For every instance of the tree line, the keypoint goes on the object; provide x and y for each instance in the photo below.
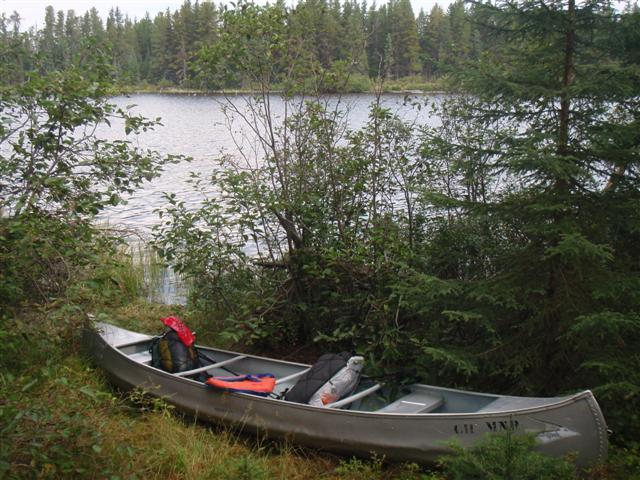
(366, 41)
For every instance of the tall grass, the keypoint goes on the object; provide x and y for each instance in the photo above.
(147, 275)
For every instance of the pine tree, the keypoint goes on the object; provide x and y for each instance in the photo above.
(403, 33)
(16, 50)
(144, 30)
(97, 27)
(72, 35)
(459, 45)
(353, 38)
(552, 117)
(377, 34)
(129, 53)
(433, 40)
(46, 44)
(162, 47)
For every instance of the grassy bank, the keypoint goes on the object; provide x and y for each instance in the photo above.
(61, 419)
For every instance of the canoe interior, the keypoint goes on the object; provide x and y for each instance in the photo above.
(412, 399)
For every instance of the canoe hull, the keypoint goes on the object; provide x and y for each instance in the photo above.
(574, 424)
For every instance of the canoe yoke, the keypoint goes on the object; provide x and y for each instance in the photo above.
(415, 402)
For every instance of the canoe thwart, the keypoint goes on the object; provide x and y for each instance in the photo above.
(354, 397)
(209, 367)
(292, 376)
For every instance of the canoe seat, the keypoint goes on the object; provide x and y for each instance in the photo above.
(415, 402)
(141, 357)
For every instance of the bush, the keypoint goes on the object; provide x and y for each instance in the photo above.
(506, 457)
(40, 254)
(54, 184)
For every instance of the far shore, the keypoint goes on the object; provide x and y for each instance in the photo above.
(127, 90)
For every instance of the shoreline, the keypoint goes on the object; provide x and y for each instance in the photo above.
(236, 92)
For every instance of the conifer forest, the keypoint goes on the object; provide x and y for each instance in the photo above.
(388, 40)
(493, 248)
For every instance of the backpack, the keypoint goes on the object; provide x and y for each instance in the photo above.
(168, 353)
(174, 350)
(321, 380)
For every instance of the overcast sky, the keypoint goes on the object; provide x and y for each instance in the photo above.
(32, 11)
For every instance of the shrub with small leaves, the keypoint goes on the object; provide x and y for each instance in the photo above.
(506, 457)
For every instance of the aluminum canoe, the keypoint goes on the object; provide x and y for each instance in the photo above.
(416, 425)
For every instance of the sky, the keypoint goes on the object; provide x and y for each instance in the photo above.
(32, 11)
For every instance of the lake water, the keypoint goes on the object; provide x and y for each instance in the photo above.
(196, 126)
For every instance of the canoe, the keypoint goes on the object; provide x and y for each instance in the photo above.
(416, 424)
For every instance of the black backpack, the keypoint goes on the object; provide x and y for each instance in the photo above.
(320, 373)
(168, 353)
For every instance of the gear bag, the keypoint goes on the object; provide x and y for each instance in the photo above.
(321, 379)
(174, 350)
(341, 385)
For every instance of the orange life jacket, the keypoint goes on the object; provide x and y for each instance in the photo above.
(261, 384)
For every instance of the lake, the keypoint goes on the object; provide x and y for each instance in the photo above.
(197, 126)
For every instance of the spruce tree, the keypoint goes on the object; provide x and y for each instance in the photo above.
(403, 31)
(433, 39)
(551, 114)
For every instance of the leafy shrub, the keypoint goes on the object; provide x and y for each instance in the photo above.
(56, 174)
(506, 457)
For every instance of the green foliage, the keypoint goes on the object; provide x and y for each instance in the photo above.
(538, 162)
(321, 219)
(489, 251)
(252, 47)
(375, 468)
(56, 174)
(623, 463)
(506, 457)
(40, 256)
(318, 40)
(49, 438)
(54, 162)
